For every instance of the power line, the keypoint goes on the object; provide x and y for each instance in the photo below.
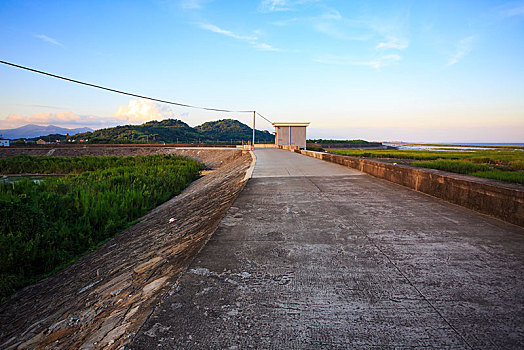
(261, 116)
(123, 92)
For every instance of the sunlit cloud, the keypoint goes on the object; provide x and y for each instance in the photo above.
(141, 111)
(463, 48)
(48, 39)
(377, 62)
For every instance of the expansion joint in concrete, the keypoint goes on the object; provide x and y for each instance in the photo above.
(374, 244)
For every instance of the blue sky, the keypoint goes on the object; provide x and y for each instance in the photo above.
(434, 71)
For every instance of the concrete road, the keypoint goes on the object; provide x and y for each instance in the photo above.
(315, 255)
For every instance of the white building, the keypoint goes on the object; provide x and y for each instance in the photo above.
(290, 134)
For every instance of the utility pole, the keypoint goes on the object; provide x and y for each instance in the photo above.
(253, 145)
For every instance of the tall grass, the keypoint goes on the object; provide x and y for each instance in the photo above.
(454, 166)
(473, 169)
(500, 164)
(46, 225)
(510, 158)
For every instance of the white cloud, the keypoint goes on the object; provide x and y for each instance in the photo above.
(213, 28)
(265, 47)
(48, 39)
(273, 5)
(282, 5)
(463, 47)
(251, 39)
(377, 62)
(141, 111)
(393, 43)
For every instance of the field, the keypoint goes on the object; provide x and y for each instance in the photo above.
(500, 164)
(47, 225)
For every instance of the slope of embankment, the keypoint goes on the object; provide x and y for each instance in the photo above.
(103, 298)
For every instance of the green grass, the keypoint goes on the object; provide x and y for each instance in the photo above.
(45, 226)
(396, 154)
(499, 164)
(507, 176)
(335, 141)
(454, 166)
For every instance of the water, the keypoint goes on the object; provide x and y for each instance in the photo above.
(461, 147)
(15, 178)
(490, 144)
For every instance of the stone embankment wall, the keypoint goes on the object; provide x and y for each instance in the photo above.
(501, 200)
(102, 299)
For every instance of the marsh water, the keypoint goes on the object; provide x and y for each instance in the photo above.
(36, 178)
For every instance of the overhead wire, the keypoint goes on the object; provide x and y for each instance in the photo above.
(261, 116)
(122, 92)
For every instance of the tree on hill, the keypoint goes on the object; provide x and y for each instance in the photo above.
(173, 131)
(229, 129)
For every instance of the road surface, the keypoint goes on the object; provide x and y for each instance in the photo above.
(316, 255)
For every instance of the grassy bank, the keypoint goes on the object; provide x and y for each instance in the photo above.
(45, 226)
(501, 164)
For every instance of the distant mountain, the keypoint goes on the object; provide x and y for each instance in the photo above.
(31, 130)
(176, 131)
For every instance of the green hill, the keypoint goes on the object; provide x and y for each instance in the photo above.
(176, 131)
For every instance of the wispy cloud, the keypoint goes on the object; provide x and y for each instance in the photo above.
(48, 39)
(63, 119)
(274, 5)
(331, 23)
(393, 43)
(282, 5)
(213, 28)
(463, 48)
(253, 40)
(376, 62)
(193, 4)
(40, 106)
(512, 9)
(265, 47)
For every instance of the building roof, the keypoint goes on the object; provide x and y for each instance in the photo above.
(291, 124)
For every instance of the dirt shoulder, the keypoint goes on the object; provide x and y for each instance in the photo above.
(213, 157)
(103, 298)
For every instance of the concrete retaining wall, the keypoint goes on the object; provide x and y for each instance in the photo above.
(504, 201)
(265, 145)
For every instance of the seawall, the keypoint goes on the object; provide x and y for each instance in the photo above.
(491, 197)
